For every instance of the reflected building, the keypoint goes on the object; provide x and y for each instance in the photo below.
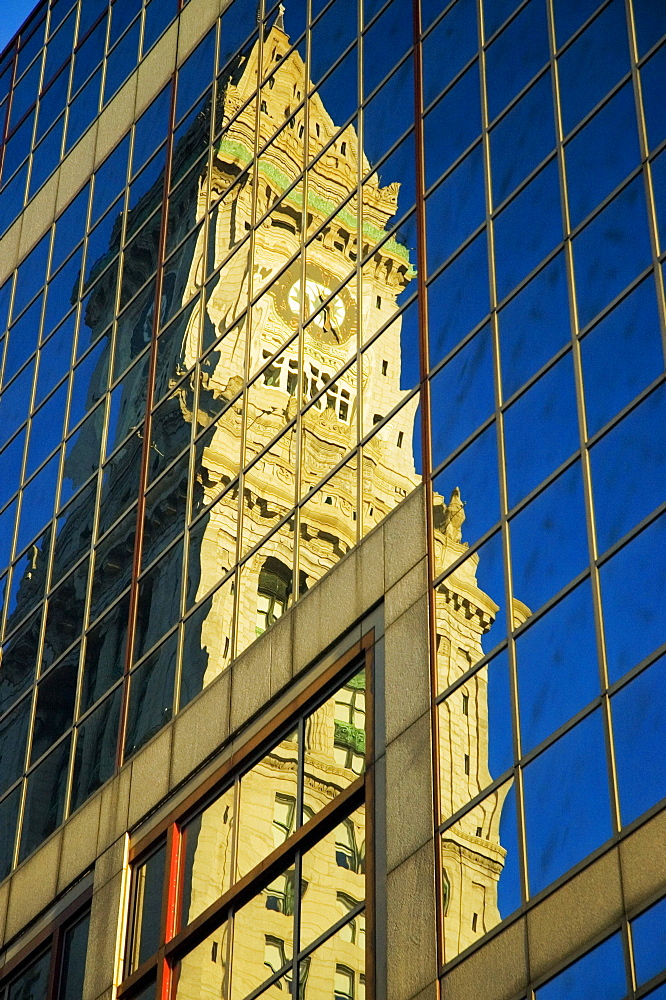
(472, 854)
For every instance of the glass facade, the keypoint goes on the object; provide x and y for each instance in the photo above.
(350, 248)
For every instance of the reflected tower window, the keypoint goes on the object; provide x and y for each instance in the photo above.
(273, 592)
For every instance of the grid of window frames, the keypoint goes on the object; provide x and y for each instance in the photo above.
(544, 216)
(52, 966)
(259, 883)
(541, 281)
(59, 73)
(185, 433)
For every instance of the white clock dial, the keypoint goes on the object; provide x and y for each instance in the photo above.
(316, 293)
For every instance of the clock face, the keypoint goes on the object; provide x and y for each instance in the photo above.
(332, 324)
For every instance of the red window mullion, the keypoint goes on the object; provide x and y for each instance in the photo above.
(170, 908)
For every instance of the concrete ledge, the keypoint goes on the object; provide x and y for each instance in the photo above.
(33, 885)
(406, 591)
(150, 775)
(409, 815)
(496, 972)
(114, 808)
(79, 842)
(407, 667)
(410, 931)
(408, 537)
(200, 728)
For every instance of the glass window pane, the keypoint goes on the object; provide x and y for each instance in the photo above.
(268, 804)
(31, 275)
(640, 707)
(74, 949)
(388, 115)
(462, 395)
(541, 429)
(455, 209)
(386, 35)
(9, 808)
(263, 940)
(338, 965)
(516, 55)
(331, 35)
(495, 13)
(558, 672)
(527, 229)
(648, 936)
(612, 250)
(652, 73)
(83, 109)
(151, 128)
(151, 695)
(45, 799)
(458, 299)
(37, 503)
(452, 125)
(628, 470)
(597, 60)
(474, 474)
(569, 17)
(633, 585)
(13, 735)
(598, 974)
(334, 746)
(55, 705)
(566, 802)
(159, 600)
(621, 356)
(483, 569)
(549, 540)
(529, 127)
(19, 662)
(482, 888)
(207, 856)
(448, 48)
(147, 907)
(32, 983)
(96, 749)
(204, 971)
(109, 179)
(333, 880)
(596, 162)
(475, 731)
(534, 325)
(46, 156)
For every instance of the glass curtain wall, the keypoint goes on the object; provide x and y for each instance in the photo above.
(544, 240)
(326, 265)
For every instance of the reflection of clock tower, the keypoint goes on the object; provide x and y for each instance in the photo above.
(282, 368)
(472, 855)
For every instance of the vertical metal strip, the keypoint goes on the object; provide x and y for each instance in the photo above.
(147, 430)
(370, 805)
(426, 438)
(169, 909)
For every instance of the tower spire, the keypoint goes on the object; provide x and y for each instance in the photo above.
(279, 20)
